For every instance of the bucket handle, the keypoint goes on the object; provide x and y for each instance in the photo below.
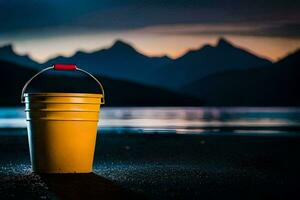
(66, 67)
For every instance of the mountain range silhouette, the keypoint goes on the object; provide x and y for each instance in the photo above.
(218, 75)
(270, 85)
(206, 60)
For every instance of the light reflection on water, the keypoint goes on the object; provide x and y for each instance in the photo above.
(181, 120)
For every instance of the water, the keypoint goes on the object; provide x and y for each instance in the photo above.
(181, 120)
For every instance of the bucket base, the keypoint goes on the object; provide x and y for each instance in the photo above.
(63, 146)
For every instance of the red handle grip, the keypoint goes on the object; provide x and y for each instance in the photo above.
(68, 67)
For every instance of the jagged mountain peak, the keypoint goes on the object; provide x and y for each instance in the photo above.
(119, 44)
(222, 42)
(7, 53)
(7, 48)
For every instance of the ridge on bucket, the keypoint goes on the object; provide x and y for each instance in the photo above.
(62, 127)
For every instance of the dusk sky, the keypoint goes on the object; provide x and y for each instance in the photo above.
(45, 28)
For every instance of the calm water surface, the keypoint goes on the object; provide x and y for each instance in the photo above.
(180, 120)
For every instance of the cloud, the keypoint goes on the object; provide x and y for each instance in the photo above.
(290, 30)
(259, 29)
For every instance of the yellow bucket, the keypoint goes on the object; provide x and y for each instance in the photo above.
(62, 128)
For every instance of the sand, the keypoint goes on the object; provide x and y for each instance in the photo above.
(162, 166)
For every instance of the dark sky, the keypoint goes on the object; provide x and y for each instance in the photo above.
(279, 16)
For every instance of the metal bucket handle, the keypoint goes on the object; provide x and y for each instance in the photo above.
(67, 67)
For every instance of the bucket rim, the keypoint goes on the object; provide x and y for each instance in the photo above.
(64, 94)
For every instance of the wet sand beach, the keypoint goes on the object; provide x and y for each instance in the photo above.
(162, 166)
